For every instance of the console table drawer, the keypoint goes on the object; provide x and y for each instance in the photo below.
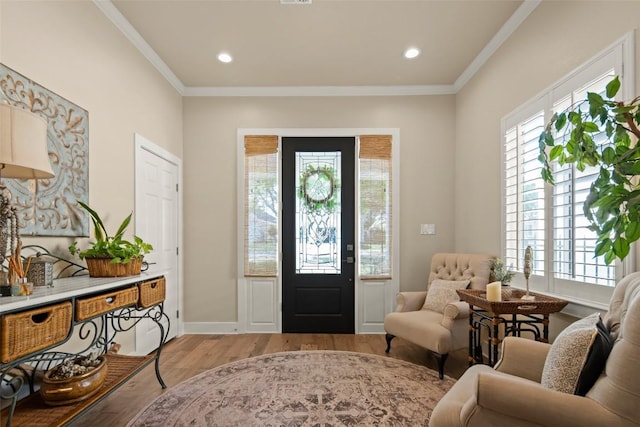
(152, 292)
(29, 331)
(87, 308)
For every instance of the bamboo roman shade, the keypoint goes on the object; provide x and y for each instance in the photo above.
(375, 147)
(255, 145)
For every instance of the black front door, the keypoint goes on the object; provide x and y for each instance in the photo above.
(318, 234)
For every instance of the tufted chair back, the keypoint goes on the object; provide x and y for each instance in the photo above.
(618, 389)
(457, 266)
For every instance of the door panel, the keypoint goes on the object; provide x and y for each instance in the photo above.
(157, 223)
(318, 234)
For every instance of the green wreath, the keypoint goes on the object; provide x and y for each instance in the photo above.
(318, 188)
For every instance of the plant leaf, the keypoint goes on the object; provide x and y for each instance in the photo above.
(632, 232)
(609, 257)
(561, 121)
(612, 87)
(123, 227)
(548, 139)
(547, 176)
(555, 152)
(621, 247)
(591, 127)
(99, 230)
(602, 247)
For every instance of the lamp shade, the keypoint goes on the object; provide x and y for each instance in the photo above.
(23, 144)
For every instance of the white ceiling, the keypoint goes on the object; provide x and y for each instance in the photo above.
(355, 44)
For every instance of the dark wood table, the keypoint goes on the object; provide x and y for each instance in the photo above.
(518, 317)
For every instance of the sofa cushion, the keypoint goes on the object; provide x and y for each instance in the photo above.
(577, 356)
(421, 327)
(443, 292)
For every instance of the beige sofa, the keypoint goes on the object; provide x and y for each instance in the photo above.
(440, 332)
(511, 395)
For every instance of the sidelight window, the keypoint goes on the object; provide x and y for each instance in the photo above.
(375, 186)
(261, 205)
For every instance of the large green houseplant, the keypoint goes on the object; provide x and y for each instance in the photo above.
(575, 136)
(111, 249)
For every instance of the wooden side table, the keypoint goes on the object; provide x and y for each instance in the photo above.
(517, 315)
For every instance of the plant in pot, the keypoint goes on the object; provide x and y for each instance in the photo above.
(111, 256)
(502, 274)
(603, 133)
(73, 380)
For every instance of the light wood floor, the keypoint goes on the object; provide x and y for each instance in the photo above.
(184, 357)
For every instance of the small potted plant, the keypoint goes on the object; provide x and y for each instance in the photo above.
(503, 275)
(73, 380)
(111, 256)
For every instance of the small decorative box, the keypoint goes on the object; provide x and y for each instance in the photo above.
(40, 272)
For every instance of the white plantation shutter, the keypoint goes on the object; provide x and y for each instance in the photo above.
(524, 194)
(574, 243)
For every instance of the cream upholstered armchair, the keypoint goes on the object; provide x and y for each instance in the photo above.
(516, 392)
(436, 319)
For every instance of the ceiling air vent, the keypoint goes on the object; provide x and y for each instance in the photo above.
(295, 1)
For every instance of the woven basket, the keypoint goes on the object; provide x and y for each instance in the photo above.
(152, 292)
(32, 330)
(87, 308)
(103, 267)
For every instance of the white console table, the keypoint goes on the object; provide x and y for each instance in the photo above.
(32, 329)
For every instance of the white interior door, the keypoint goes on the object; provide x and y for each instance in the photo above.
(156, 219)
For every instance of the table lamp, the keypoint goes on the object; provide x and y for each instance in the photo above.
(23, 155)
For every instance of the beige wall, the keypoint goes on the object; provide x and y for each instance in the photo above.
(73, 50)
(426, 180)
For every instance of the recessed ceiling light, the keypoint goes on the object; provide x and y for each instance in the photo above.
(411, 52)
(224, 57)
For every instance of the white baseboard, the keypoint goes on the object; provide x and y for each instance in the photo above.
(234, 328)
(262, 329)
(377, 328)
(210, 327)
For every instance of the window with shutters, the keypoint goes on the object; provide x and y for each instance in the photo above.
(550, 219)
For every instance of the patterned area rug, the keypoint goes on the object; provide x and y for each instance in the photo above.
(302, 388)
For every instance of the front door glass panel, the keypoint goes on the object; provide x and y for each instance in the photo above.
(318, 212)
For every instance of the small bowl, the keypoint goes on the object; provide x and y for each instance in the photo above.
(75, 389)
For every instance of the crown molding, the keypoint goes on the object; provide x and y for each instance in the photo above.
(114, 15)
(319, 90)
(111, 12)
(496, 41)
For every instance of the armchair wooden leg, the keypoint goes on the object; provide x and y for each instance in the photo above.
(389, 337)
(441, 358)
